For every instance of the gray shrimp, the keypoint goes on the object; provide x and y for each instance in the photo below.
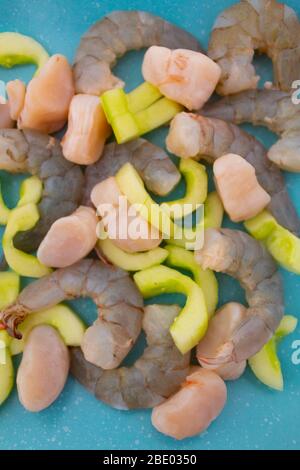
(273, 109)
(153, 164)
(113, 36)
(155, 376)
(117, 298)
(264, 25)
(235, 253)
(196, 136)
(41, 155)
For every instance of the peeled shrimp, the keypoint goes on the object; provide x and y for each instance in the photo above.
(222, 325)
(117, 298)
(16, 90)
(239, 255)
(6, 121)
(69, 239)
(44, 368)
(209, 139)
(187, 77)
(191, 410)
(113, 36)
(273, 109)
(41, 155)
(263, 25)
(87, 130)
(48, 97)
(241, 194)
(154, 376)
(159, 173)
(128, 230)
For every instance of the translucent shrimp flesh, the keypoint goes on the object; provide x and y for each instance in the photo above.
(113, 36)
(159, 173)
(41, 155)
(244, 258)
(155, 376)
(204, 138)
(273, 109)
(264, 25)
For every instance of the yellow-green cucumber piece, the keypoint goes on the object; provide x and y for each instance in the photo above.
(131, 261)
(6, 373)
(206, 279)
(4, 210)
(142, 97)
(132, 186)
(191, 324)
(196, 189)
(283, 245)
(61, 317)
(213, 211)
(159, 113)
(266, 364)
(9, 288)
(18, 49)
(20, 219)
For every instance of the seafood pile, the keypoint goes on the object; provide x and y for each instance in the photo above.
(88, 222)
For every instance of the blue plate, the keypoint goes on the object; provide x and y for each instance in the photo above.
(255, 417)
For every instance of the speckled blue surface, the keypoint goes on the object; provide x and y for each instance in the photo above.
(255, 417)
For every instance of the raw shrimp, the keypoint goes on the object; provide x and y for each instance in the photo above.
(69, 239)
(273, 109)
(204, 138)
(117, 298)
(159, 173)
(191, 410)
(223, 324)
(87, 130)
(113, 36)
(6, 121)
(263, 25)
(44, 368)
(239, 255)
(48, 97)
(41, 155)
(155, 375)
(16, 90)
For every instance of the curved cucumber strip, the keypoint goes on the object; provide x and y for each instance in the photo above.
(131, 261)
(213, 211)
(132, 186)
(30, 191)
(61, 317)
(283, 245)
(191, 324)
(6, 373)
(18, 49)
(20, 219)
(9, 288)
(266, 364)
(181, 258)
(196, 189)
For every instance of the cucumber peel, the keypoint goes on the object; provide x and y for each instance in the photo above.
(131, 261)
(283, 245)
(181, 258)
(265, 364)
(191, 324)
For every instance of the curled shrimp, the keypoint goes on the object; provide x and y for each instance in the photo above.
(153, 164)
(155, 376)
(41, 155)
(273, 109)
(117, 298)
(113, 36)
(263, 25)
(239, 255)
(190, 411)
(196, 136)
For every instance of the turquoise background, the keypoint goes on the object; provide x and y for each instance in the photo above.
(255, 417)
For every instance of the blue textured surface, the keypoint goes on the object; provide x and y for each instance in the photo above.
(255, 417)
